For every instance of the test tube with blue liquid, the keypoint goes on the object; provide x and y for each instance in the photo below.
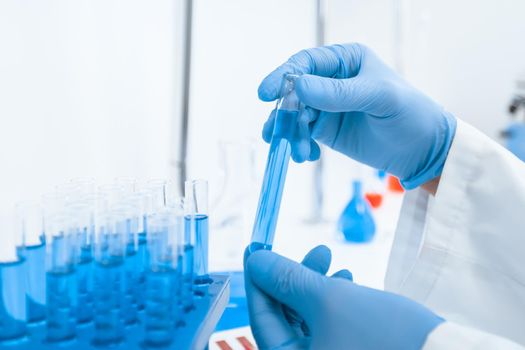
(131, 263)
(143, 203)
(165, 229)
(196, 225)
(81, 214)
(286, 115)
(13, 313)
(61, 281)
(188, 260)
(31, 224)
(176, 206)
(110, 248)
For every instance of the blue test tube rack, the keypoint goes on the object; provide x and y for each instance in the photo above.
(199, 324)
(96, 302)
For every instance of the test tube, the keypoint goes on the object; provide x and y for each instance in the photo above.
(110, 195)
(52, 205)
(12, 284)
(69, 190)
(82, 215)
(30, 219)
(131, 263)
(187, 261)
(61, 282)
(286, 114)
(128, 184)
(110, 247)
(142, 202)
(157, 188)
(85, 186)
(196, 224)
(163, 276)
(176, 206)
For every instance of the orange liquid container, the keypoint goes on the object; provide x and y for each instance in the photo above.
(394, 185)
(375, 199)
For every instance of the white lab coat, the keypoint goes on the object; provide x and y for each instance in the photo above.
(462, 252)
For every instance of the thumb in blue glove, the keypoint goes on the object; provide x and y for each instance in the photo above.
(338, 313)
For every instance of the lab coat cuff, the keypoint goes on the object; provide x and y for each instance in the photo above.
(453, 336)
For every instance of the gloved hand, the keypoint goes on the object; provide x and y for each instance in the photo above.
(328, 312)
(360, 107)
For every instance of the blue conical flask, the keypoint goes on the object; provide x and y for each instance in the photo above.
(356, 221)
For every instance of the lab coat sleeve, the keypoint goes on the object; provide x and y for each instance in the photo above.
(462, 252)
(451, 336)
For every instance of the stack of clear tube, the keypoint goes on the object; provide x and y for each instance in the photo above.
(109, 256)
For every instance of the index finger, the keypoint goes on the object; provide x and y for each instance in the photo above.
(337, 61)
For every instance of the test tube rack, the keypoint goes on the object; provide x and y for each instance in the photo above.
(199, 324)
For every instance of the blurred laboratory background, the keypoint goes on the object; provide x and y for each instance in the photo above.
(112, 88)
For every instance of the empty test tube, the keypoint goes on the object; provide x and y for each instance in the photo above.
(61, 282)
(157, 189)
(12, 284)
(286, 114)
(196, 225)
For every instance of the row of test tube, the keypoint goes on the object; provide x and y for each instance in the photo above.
(111, 256)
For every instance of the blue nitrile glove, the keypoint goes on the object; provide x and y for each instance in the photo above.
(360, 107)
(337, 313)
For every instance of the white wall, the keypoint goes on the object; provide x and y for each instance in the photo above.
(86, 89)
(466, 54)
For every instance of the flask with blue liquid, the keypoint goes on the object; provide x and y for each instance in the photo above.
(356, 222)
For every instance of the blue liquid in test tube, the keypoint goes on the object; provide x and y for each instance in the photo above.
(196, 223)
(132, 263)
(200, 230)
(83, 216)
(131, 285)
(13, 311)
(35, 256)
(286, 114)
(160, 307)
(12, 301)
(84, 270)
(30, 224)
(61, 302)
(187, 277)
(163, 277)
(61, 282)
(109, 279)
(142, 261)
(109, 302)
(81, 213)
(143, 201)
